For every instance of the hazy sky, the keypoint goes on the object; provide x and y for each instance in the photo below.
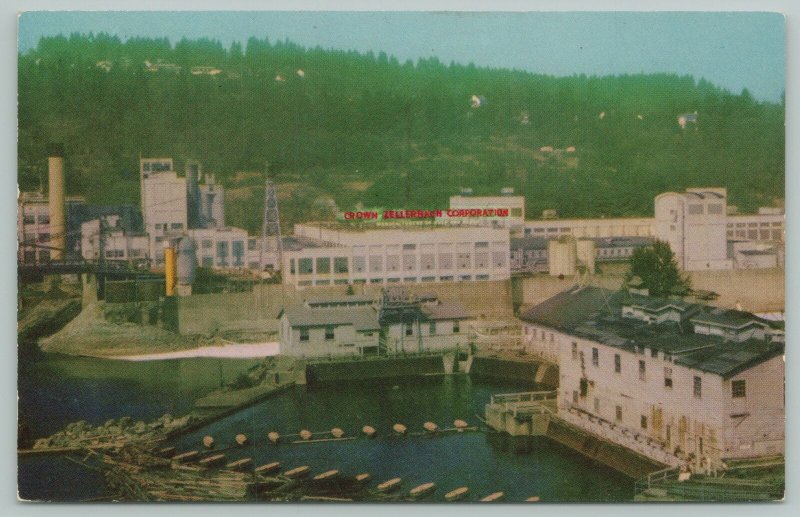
(733, 50)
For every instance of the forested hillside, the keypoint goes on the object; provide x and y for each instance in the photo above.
(366, 128)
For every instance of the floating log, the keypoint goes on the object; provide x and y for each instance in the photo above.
(369, 431)
(455, 495)
(305, 434)
(273, 437)
(430, 427)
(268, 468)
(363, 478)
(400, 428)
(166, 452)
(422, 490)
(327, 474)
(208, 442)
(297, 472)
(186, 457)
(241, 439)
(336, 432)
(388, 486)
(534, 499)
(460, 425)
(242, 464)
(496, 496)
(321, 440)
(212, 461)
(325, 499)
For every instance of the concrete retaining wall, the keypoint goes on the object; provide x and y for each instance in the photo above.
(375, 368)
(515, 371)
(615, 456)
(757, 290)
(258, 310)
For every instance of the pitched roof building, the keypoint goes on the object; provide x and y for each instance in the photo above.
(678, 382)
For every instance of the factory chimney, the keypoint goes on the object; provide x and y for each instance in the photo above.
(58, 226)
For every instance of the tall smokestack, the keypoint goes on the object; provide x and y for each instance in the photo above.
(58, 227)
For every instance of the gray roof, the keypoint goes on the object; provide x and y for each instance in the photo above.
(354, 298)
(622, 242)
(757, 252)
(529, 243)
(362, 318)
(730, 318)
(445, 311)
(595, 313)
(294, 243)
(652, 304)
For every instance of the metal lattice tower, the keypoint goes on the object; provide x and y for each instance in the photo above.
(271, 229)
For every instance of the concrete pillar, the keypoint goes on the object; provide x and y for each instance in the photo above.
(58, 226)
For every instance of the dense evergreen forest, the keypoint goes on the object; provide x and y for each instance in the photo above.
(350, 127)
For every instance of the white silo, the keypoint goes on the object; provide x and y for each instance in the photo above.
(586, 253)
(562, 256)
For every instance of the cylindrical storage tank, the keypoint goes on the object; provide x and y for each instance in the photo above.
(169, 268)
(585, 252)
(55, 199)
(562, 257)
(187, 261)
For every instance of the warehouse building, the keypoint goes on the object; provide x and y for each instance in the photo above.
(398, 322)
(678, 382)
(591, 228)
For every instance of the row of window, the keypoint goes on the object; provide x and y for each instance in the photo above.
(642, 418)
(222, 262)
(410, 279)
(737, 387)
(306, 265)
(31, 219)
(563, 229)
(169, 226)
(330, 331)
(775, 224)
(763, 235)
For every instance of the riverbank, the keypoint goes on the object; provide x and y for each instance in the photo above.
(225, 351)
(248, 387)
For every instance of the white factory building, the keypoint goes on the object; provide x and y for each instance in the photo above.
(117, 244)
(193, 204)
(33, 228)
(399, 323)
(164, 202)
(336, 254)
(591, 228)
(697, 226)
(513, 208)
(681, 383)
